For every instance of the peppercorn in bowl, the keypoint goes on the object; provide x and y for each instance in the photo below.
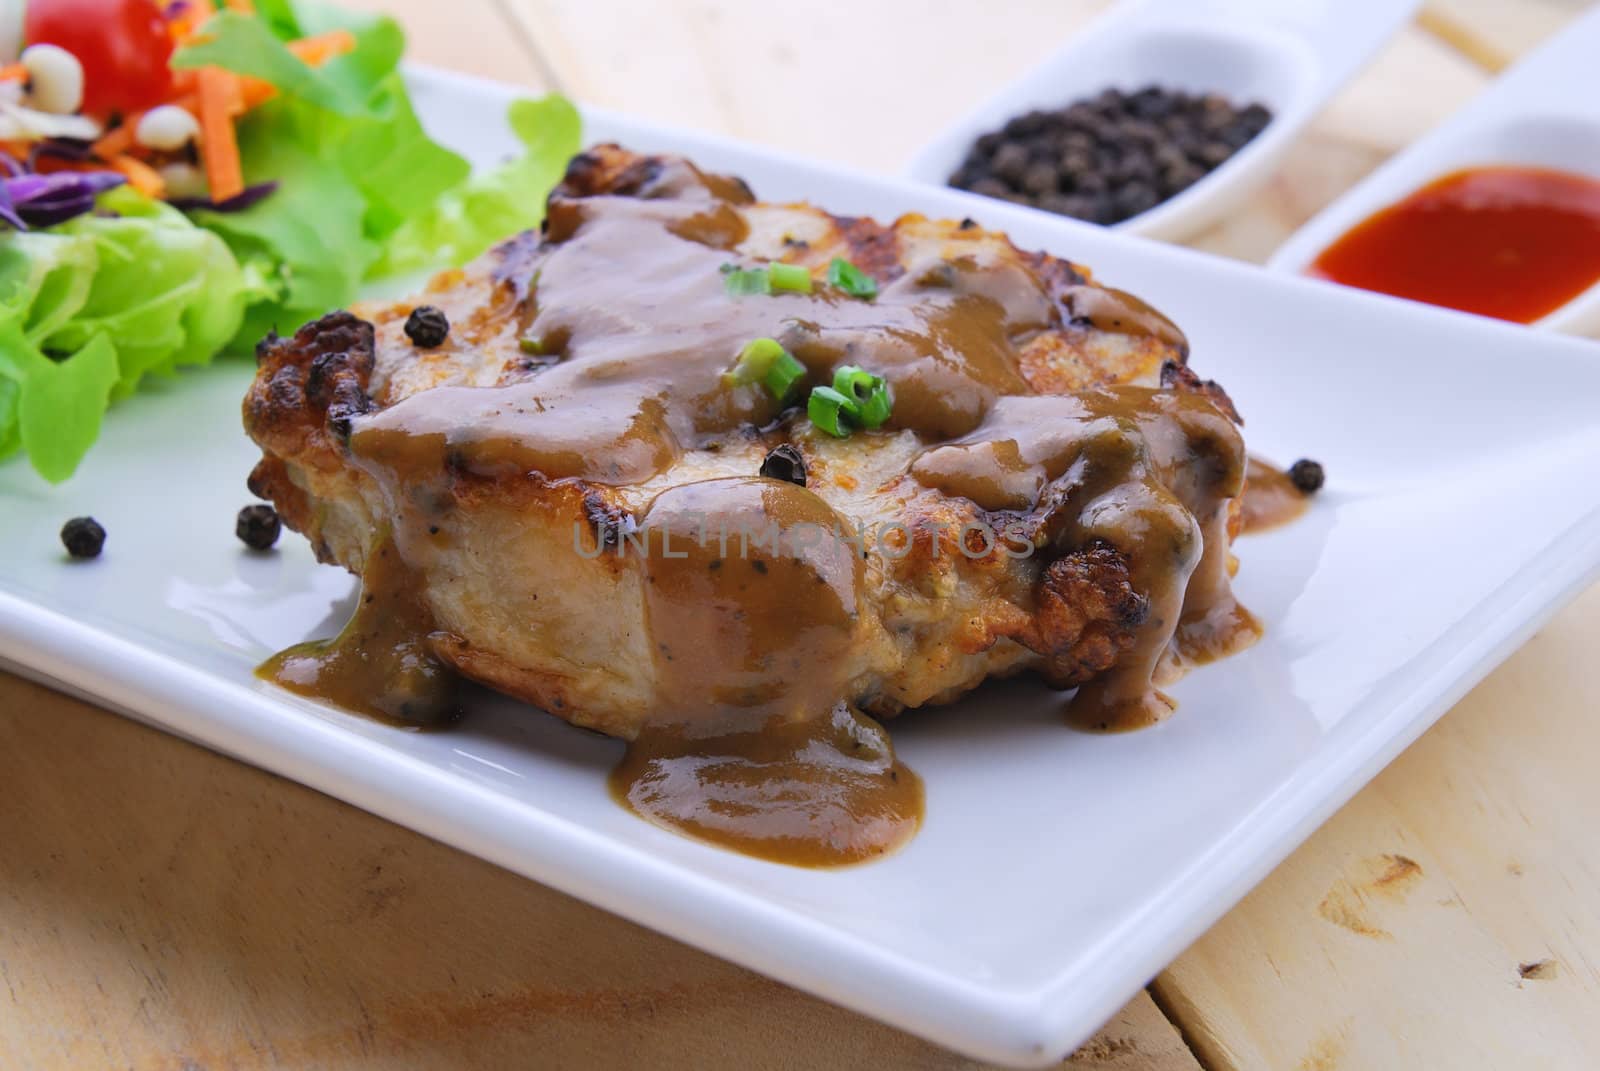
(1154, 119)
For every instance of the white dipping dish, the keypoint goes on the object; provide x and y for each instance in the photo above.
(1056, 871)
(1289, 56)
(1544, 112)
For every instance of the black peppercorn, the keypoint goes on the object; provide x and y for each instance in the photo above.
(1112, 156)
(257, 527)
(785, 463)
(83, 537)
(427, 327)
(1306, 475)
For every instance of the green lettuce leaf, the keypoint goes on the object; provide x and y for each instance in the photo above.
(167, 293)
(10, 432)
(343, 143)
(88, 308)
(57, 405)
(344, 85)
(307, 240)
(91, 307)
(45, 278)
(399, 169)
(496, 204)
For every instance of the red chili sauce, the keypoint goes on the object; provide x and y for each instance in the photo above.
(1515, 243)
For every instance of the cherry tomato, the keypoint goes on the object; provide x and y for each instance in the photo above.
(123, 45)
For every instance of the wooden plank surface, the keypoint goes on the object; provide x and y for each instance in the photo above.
(474, 36)
(166, 909)
(162, 907)
(862, 84)
(1449, 916)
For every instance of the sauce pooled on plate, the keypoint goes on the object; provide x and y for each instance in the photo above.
(762, 608)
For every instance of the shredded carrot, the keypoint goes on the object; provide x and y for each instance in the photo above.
(140, 175)
(13, 72)
(254, 91)
(318, 49)
(214, 96)
(182, 27)
(312, 51)
(236, 106)
(219, 148)
(120, 139)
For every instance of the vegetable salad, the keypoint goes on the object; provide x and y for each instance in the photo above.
(178, 180)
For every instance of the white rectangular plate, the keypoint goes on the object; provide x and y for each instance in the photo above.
(1057, 871)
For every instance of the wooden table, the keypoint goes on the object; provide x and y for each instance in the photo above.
(165, 908)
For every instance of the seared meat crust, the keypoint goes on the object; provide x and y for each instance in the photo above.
(517, 609)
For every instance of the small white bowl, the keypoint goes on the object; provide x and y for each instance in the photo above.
(1289, 56)
(1541, 113)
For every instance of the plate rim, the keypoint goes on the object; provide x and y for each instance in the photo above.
(1021, 1026)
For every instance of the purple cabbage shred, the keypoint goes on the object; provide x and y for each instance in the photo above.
(43, 200)
(70, 149)
(31, 199)
(237, 203)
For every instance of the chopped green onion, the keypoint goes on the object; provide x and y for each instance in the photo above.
(830, 411)
(781, 378)
(530, 345)
(764, 361)
(755, 359)
(741, 282)
(855, 383)
(793, 277)
(856, 399)
(875, 410)
(851, 279)
(869, 393)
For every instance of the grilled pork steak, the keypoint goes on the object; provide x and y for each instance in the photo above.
(559, 478)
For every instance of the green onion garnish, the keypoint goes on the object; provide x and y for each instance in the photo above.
(830, 411)
(764, 361)
(792, 277)
(530, 345)
(755, 359)
(781, 378)
(741, 282)
(875, 410)
(869, 393)
(854, 383)
(851, 279)
(857, 399)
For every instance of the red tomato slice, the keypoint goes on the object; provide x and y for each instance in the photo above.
(123, 45)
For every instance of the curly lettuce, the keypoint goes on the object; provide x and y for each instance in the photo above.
(487, 207)
(91, 307)
(363, 191)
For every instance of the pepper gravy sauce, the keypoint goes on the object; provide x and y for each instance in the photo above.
(379, 664)
(755, 744)
(1271, 499)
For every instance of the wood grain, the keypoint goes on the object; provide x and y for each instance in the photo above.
(168, 909)
(862, 84)
(463, 35)
(162, 907)
(1448, 916)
